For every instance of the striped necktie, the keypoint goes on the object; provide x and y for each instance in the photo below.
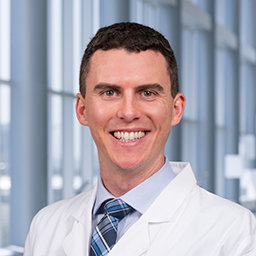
(104, 235)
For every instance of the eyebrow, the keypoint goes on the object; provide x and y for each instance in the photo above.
(101, 86)
(154, 86)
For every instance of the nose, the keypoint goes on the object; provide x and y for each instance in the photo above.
(129, 109)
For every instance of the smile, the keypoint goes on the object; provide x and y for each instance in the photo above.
(129, 136)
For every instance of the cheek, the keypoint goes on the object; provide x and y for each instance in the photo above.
(161, 116)
(98, 115)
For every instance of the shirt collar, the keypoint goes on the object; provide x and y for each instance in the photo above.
(141, 196)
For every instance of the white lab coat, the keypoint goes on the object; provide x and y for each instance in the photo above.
(184, 220)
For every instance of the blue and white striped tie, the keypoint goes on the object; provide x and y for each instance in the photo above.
(104, 235)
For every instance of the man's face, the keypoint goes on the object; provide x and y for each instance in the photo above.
(129, 108)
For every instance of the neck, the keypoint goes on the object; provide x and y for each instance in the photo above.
(119, 181)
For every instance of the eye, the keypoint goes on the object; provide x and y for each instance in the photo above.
(147, 93)
(109, 93)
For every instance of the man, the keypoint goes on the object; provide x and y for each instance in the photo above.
(142, 204)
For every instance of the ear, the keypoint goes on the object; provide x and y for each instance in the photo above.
(81, 110)
(178, 108)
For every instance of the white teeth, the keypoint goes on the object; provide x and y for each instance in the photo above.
(128, 137)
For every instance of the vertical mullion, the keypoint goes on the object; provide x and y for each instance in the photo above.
(68, 107)
(55, 83)
(55, 45)
(90, 23)
(77, 43)
(68, 110)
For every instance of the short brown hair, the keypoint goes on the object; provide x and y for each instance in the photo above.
(132, 37)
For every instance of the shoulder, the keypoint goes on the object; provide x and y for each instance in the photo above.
(219, 203)
(225, 212)
(203, 201)
(52, 224)
(234, 224)
(63, 209)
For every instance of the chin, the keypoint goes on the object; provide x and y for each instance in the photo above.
(129, 164)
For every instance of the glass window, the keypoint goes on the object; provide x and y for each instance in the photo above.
(71, 165)
(55, 149)
(220, 92)
(227, 13)
(203, 4)
(190, 89)
(247, 99)
(220, 119)
(5, 119)
(55, 49)
(248, 20)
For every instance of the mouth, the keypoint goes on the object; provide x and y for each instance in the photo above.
(128, 136)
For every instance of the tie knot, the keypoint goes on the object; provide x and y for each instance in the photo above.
(117, 208)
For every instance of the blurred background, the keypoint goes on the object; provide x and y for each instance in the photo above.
(46, 155)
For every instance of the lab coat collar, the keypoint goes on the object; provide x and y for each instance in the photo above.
(173, 195)
(136, 240)
(78, 240)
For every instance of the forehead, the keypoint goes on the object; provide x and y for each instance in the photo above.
(120, 64)
(119, 54)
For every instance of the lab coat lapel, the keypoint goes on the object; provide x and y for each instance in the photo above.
(77, 241)
(173, 196)
(136, 241)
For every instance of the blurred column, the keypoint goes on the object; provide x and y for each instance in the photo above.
(206, 132)
(233, 102)
(169, 24)
(28, 114)
(112, 11)
(232, 133)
